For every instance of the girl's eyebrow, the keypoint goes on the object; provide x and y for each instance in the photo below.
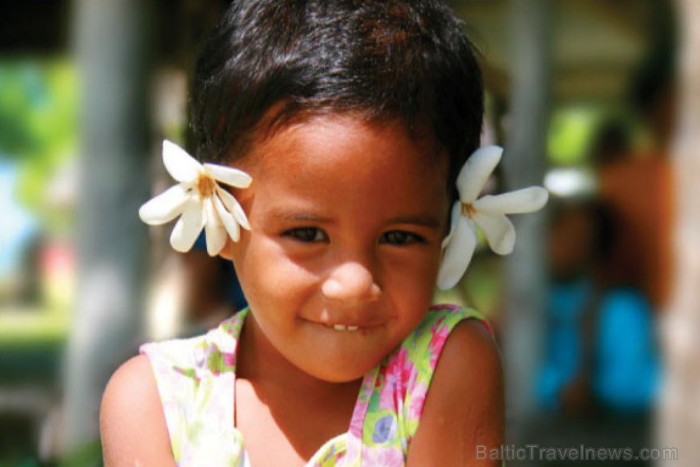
(286, 215)
(424, 220)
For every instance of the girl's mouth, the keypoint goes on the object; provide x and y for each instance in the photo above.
(343, 327)
(353, 326)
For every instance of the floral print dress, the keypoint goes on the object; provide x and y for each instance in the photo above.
(195, 379)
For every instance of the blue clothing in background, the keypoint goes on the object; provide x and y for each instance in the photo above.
(233, 292)
(626, 370)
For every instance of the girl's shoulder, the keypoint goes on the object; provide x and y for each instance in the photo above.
(132, 426)
(439, 322)
(425, 344)
(147, 406)
(464, 406)
(180, 365)
(415, 360)
(192, 376)
(397, 397)
(144, 411)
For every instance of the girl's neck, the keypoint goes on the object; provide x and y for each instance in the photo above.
(274, 401)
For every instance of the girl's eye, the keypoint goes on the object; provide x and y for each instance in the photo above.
(307, 234)
(399, 237)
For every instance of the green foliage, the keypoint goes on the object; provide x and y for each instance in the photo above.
(89, 455)
(37, 108)
(570, 134)
(38, 124)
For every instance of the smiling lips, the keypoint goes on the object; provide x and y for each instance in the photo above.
(349, 327)
(343, 327)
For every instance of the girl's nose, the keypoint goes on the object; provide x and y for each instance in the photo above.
(351, 283)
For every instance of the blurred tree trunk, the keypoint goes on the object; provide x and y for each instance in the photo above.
(679, 418)
(524, 163)
(112, 46)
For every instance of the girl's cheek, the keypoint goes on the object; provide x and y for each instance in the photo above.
(278, 273)
(416, 265)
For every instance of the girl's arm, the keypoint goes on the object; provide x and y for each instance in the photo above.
(463, 416)
(132, 424)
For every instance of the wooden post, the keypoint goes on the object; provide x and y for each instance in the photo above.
(112, 47)
(523, 165)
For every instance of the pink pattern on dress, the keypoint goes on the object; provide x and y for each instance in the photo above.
(382, 456)
(440, 335)
(415, 406)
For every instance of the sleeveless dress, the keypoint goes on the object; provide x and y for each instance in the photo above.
(195, 379)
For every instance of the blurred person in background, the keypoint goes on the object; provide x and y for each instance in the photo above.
(601, 349)
(600, 373)
(636, 182)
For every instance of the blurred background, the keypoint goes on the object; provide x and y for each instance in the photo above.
(596, 311)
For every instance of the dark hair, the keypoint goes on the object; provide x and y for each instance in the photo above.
(655, 76)
(405, 60)
(612, 142)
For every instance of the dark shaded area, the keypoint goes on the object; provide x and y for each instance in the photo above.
(32, 362)
(42, 27)
(34, 26)
(611, 431)
(30, 372)
(16, 430)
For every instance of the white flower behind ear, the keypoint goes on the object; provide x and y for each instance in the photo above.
(488, 213)
(199, 201)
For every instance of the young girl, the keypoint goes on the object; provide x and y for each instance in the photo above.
(337, 134)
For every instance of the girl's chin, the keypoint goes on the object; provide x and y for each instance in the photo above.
(340, 372)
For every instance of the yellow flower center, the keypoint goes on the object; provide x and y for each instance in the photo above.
(468, 210)
(205, 185)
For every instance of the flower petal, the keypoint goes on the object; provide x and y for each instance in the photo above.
(233, 207)
(227, 219)
(213, 228)
(187, 228)
(180, 165)
(476, 171)
(498, 230)
(216, 238)
(210, 215)
(454, 218)
(229, 175)
(514, 202)
(164, 207)
(457, 255)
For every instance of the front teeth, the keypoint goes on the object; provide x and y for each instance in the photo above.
(342, 327)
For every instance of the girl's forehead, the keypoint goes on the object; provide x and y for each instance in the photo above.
(341, 159)
(328, 142)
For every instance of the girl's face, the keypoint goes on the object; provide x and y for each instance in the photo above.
(347, 222)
